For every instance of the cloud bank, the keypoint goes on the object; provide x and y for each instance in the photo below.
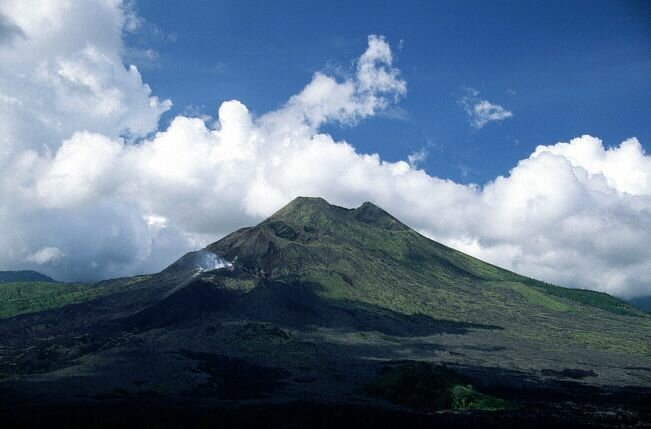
(90, 189)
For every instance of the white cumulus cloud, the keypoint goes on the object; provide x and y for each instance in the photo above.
(576, 213)
(65, 74)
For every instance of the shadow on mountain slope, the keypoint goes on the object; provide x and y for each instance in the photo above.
(296, 305)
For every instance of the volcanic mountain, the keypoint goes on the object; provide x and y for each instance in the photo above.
(338, 309)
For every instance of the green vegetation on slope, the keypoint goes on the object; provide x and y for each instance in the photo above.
(614, 343)
(31, 297)
(536, 297)
(24, 297)
(590, 298)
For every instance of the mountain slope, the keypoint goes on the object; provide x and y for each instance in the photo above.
(366, 256)
(319, 302)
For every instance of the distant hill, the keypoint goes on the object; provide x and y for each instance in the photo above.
(641, 302)
(24, 276)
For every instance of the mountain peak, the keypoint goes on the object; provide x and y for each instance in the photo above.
(302, 203)
(305, 221)
(304, 211)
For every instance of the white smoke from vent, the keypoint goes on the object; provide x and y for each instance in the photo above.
(209, 261)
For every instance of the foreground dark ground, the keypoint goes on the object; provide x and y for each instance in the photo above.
(323, 316)
(620, 410)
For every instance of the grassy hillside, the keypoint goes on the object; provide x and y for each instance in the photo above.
(26, 297)
(30, 297)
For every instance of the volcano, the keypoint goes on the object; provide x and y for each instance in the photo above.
(326, 315)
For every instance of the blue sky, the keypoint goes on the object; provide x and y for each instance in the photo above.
(562, 68)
